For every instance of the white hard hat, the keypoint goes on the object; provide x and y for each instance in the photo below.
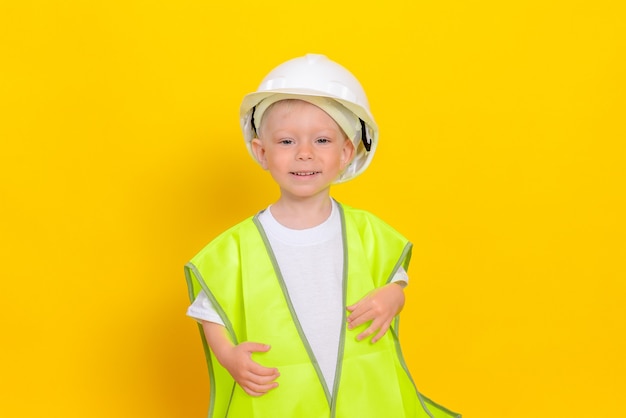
(314, 76)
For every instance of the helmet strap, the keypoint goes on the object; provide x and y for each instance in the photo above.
(367, 142)
(252, 122)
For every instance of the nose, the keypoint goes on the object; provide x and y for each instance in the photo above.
(304, 152)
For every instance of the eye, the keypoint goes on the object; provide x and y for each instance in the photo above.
(323, 140)
(285, 141)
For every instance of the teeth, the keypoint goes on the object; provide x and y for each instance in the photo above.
(307, 173)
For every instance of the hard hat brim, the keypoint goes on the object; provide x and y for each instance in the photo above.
(252, 99)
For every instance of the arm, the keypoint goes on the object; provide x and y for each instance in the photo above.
(379, 306)
(253, 378)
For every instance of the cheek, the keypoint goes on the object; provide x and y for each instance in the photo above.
(275, 159)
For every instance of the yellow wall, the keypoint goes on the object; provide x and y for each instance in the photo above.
(502, 158)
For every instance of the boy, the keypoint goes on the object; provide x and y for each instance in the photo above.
(270, 292)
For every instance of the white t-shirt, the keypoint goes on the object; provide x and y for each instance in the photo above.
(311, 263)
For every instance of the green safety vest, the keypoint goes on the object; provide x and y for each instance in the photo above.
(240, 276)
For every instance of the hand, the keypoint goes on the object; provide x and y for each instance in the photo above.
(379, 306)
(254, 379)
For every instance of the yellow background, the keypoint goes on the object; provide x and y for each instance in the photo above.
(502, 158)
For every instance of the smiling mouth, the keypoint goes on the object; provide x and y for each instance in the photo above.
(305, 173)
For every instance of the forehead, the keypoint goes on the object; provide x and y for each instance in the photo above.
(282, 109)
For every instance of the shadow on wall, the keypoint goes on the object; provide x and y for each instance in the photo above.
(198, 194)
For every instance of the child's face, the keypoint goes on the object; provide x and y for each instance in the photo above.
(302, 147)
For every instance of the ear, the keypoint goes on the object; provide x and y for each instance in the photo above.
(259, 152)
(347, 153)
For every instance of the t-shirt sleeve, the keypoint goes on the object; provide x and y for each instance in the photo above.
(401, 277)
(203, 310)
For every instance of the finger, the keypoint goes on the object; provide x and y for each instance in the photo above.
(360, 319)
(368, 331)
(252, 393)
(264, 381)
(358, 307)
(261, 379)
(252, 347)
(255, 390)
(355, 306)
(381, 332)
(258, 370)
(259, 385)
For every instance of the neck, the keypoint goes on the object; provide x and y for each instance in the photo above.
(302, 213)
